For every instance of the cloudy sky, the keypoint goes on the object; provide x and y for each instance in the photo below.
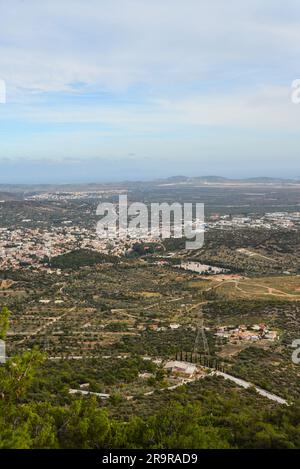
(127, 89)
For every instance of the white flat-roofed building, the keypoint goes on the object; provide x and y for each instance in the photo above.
(181, 368)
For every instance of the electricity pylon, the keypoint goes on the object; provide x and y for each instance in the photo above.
(200, 336)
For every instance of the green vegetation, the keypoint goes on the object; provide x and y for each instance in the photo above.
(211, 421)
(4, 322)
(80, 258)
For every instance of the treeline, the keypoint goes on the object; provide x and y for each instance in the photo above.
(80, 258)
(84, 424)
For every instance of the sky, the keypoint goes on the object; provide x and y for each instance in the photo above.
(100, 90)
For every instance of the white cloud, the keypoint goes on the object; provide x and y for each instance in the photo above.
(200, 64)
(265, 108)
(117, 43)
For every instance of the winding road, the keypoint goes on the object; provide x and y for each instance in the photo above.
(246, 385)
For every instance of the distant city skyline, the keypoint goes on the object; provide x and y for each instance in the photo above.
(123, 89)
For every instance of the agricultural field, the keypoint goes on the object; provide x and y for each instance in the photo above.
(104, 313)
(231, 287)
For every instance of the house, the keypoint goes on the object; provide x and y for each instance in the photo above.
(181, 368)
(84, 385)
(271, 335)
(101, 395)
(174, 326)
(145, 375)
(222, 334)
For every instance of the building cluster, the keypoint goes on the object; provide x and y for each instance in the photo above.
(25, 247)
(29, 247)
(274, 220)
(201, 268)
(73, 195)
(246, 333)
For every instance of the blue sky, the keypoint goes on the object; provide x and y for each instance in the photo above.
(134, 89)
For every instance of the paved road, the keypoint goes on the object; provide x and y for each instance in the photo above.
(246, 384)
